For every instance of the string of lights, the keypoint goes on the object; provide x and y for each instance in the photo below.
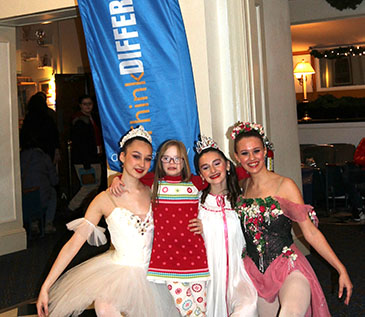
(339, 52)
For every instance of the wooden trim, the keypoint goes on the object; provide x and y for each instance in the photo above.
(301, 53)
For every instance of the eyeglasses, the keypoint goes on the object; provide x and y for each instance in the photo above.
(167, 159)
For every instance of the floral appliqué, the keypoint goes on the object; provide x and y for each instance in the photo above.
(313, 217)
(255, 214)
(289, 254)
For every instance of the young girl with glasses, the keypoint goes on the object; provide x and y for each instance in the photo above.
(178, 255)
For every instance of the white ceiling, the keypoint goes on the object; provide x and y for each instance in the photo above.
(320, 34)
(333, 33)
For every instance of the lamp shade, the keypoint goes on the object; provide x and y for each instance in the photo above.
(303, 68)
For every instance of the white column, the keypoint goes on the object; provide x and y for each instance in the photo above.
(244, 47)
(226, 48)
(12, 234)
(193, 12)
(280, 89)
(281, 96)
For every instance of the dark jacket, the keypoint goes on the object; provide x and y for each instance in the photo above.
(40, 130)
(84, 149)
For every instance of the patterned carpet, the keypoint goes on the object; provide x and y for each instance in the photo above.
(22, 272)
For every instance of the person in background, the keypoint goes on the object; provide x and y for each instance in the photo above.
(37, 170)
(52, 114)
(39, 127)
(354, 181)
(86, 153)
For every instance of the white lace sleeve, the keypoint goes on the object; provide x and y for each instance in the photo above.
(94, 234)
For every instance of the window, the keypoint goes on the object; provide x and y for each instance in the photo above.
(345, 71)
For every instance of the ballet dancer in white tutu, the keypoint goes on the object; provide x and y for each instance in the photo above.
(114, 281)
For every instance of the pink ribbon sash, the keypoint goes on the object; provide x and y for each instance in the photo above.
(221, 203)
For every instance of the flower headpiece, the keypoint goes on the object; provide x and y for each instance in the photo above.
(240, 127)
(205, 143)
(246, 127)
(137, 132)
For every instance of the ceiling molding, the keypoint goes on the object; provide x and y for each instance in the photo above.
(41, 17)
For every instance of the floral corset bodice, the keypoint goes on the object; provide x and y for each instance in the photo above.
(266, 229)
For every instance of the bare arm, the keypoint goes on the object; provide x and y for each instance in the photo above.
(67, 253)
(316, 239)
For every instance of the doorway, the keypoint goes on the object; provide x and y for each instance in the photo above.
(51, 57)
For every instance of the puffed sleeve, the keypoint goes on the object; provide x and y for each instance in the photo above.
(94, 234)
(297, 212)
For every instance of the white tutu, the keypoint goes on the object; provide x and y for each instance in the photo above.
(124, 287)
(116, 277)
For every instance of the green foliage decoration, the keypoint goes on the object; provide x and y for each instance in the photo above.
(344, 4)
(328, 108)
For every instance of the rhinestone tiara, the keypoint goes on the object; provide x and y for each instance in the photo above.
(140, 131)
(205, 143)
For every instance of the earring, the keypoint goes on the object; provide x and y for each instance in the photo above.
(228, 173)
(203, 179)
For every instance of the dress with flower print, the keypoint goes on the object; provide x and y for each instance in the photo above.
(270, 254)
(266, 229)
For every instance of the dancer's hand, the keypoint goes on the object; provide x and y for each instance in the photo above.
(345, 282)
(195, 225)
(42, 303)
(117, 188)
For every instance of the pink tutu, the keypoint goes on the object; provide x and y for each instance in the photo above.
(268, 284)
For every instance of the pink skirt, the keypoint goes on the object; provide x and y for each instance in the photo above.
(268, 284)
